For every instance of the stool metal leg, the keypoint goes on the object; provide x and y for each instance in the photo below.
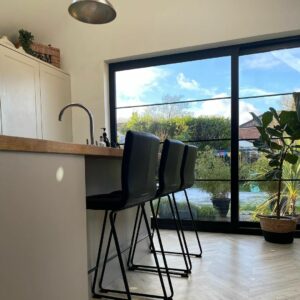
(112, 217)
(134, 239)
(103, 290)
(162, 250)
(183, 245)
(194, 226)
(156, 260)
(99, 252)
(127, 292)
(105, 262)
(195, 230)
(182, 232)
(156, 212)
(172, 271)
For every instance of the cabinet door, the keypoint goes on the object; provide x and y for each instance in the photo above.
(55, 94)
(1, 90)
(20, 99)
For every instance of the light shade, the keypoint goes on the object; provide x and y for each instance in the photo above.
(92, 11)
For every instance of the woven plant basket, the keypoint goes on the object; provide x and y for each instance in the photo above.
(278, 230)
(282, 225)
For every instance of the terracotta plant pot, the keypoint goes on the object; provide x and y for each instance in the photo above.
(280, 231)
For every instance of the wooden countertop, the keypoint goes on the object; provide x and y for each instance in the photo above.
(18, 144)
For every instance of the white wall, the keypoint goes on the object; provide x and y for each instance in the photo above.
(142, 28)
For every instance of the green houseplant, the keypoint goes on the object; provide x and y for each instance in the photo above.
(210, 167)
(290, 189)
(26, 39)
(279, 132)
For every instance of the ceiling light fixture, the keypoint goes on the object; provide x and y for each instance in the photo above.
(92, 11)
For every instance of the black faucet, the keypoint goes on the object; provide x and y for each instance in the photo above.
(89, 114)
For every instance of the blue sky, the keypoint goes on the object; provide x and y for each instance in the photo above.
(260, 74)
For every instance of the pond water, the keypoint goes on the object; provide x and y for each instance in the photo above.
(201, 197)
(247, 202)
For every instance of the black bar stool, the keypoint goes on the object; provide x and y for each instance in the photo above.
(187, 181)
(138, 186)
(187, 174)
(169, 182)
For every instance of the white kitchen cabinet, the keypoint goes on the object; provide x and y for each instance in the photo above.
(31, 95)
(55, 94)
(20, 96)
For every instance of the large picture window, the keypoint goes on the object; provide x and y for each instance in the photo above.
(205, 98)
(266, 80)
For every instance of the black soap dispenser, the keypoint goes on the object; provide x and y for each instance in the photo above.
(105, 138)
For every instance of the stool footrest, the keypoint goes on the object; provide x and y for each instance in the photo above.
(132, 293)
(153, 269)
(178, 253)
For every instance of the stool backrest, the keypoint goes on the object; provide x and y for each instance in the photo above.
(139, 165)
(188, 166)
(169, 167)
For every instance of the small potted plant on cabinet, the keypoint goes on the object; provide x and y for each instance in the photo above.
(279, 133)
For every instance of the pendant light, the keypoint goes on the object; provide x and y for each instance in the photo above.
(92, 11)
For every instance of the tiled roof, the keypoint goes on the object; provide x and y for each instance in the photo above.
(248, 133)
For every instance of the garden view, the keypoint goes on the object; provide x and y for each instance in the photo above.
(190, 100)
(210, 196)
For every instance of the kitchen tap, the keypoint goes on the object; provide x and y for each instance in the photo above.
(89, 114)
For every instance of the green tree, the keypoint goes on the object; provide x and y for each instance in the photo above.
(182, 128)
(210, 166)
(168, 109)
(175, 127)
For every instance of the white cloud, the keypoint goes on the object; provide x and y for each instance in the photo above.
(214, 108)
(193, 85)
(219, 95)
(288, 58)
(272, 59)
(250, 91)
(260, 61)
(222, 108)
(133, 84)
(185, 83)
(245, 108)
(124, 114)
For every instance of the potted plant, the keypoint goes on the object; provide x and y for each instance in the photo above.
(279, 132)
(26, 39)
(210, 167)
(290, 189)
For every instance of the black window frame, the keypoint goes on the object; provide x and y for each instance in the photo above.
(234, 51)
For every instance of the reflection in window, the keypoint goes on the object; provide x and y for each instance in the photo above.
(210, 201)
(191, 101)
(270, 72)
(266, 79)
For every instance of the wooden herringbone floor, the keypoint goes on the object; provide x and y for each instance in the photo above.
(233, 267)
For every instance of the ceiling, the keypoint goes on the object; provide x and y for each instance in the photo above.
(153, 20)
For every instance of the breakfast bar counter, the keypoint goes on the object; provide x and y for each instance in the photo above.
(45, 228)
(10, 143)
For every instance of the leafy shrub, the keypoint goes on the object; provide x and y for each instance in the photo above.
(206, 212)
